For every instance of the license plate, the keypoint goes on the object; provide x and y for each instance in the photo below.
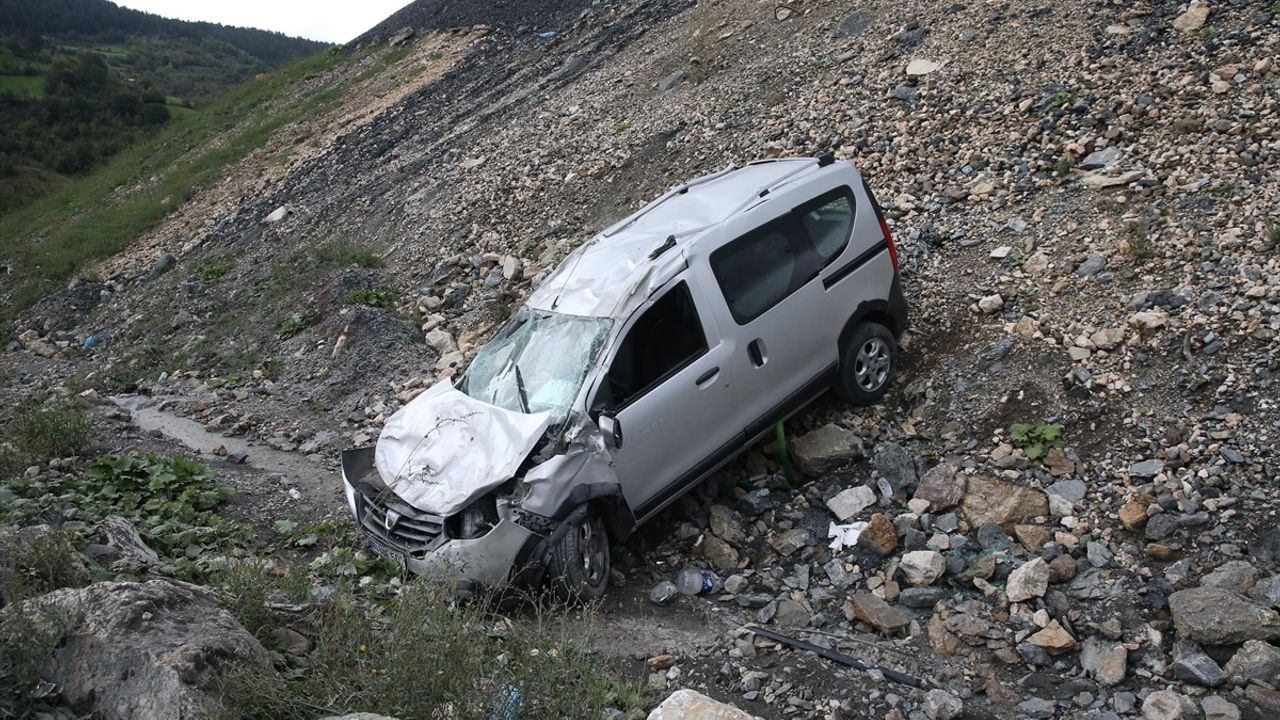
(393, 555)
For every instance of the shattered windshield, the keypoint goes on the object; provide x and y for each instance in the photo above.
(536, 363)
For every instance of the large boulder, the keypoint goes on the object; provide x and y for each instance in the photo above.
(825, 449)
(942, 487)
(987, 500)
(897, 467)
(1213, 616)
(690, 705)
(143, 651)
(119, 545)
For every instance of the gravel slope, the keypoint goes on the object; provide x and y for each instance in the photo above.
(1087, 203)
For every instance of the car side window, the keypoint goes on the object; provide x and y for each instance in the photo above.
(829, 220)
(759, 269)
(663, 341)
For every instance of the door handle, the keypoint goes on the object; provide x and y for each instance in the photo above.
(707, 376)
(756, 351)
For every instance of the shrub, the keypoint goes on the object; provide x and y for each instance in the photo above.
(212, 269)
(293, 325)
(42, 434)
(373, 297)
(34, 562)
(27, 640)
(1036, 440)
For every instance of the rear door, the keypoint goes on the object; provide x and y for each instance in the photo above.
(668, 385)
(772, 292)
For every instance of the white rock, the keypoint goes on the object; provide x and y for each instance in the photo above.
(848, 503)
(920, 67)
(1194, 18)
(991, 304)
(277, 215)
(690, 705)
(923, 567)
(1031, 580)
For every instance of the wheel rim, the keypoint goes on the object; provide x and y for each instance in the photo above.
(593, 546)
(871, 368)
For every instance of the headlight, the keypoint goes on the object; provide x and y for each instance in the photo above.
(476, 520)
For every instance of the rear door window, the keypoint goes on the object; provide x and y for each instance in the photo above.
(759, 269)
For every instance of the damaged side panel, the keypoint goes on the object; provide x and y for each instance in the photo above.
(547, 489)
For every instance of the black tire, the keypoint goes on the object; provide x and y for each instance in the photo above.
(868, 362)
(578, 565)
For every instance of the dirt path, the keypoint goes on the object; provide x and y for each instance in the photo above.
(271, 484)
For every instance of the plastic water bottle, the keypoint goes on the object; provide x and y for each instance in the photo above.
(696, 581)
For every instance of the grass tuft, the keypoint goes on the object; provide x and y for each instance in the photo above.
(338, 255)
(420, 655)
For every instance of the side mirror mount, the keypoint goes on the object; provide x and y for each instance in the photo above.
(611, 429)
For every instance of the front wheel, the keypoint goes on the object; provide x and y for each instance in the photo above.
(578, 565)
(867, 363)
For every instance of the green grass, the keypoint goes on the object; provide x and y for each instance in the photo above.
(31, 86)
(338, 255)
(417, 654)
(82, 224)
(34, 435)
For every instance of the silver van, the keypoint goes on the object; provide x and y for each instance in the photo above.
(655, 353)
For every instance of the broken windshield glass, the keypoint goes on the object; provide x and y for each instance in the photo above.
(536, 363)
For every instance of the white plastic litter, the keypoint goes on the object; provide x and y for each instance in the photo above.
(843, 536)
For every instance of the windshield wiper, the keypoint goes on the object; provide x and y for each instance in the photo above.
(524, 398)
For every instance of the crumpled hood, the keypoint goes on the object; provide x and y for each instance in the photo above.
(445, 449)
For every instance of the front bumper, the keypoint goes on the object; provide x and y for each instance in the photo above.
(418, 540)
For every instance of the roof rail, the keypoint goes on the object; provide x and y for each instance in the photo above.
(765, 190)
(678, 190)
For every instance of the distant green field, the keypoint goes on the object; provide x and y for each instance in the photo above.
(50, 239)
(23, 85)
(178, 111)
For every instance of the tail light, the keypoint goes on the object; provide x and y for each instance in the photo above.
(884, 226)
(888, 239)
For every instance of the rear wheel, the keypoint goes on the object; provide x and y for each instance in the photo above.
(867, 363)
(578, 565)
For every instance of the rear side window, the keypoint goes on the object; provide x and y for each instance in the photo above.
(829, 221)
(760, 269)
(666, 338)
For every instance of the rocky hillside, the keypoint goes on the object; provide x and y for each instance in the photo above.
(1070, 495)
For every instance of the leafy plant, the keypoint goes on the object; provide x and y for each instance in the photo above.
(373, 297)
(169, 499)
(293, 325)
(1036, 440)
(1273, 230)
(1064, 98)
(1206, 31)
